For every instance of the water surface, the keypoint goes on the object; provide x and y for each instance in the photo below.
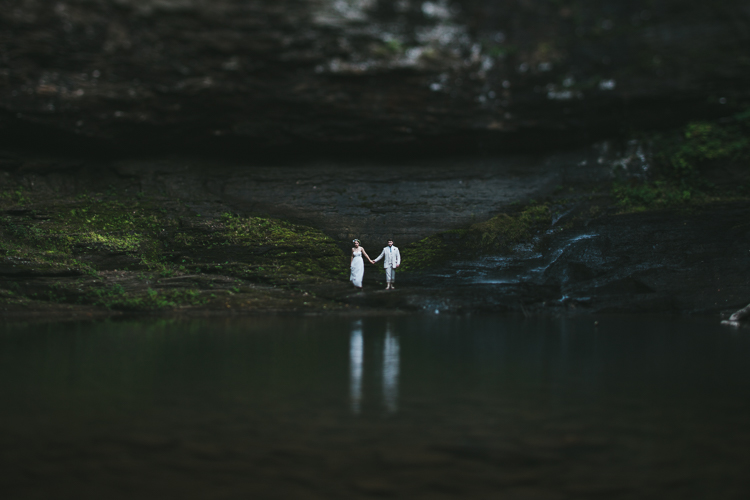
(404, 407)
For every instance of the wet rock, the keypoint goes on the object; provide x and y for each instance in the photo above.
(696, 260)
(665, 261)
(738, 318)
(741, 315)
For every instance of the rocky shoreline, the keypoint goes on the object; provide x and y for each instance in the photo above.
(196, 157)
(75, 249)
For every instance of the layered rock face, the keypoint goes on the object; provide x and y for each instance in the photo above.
(249, 76)
(367, 200)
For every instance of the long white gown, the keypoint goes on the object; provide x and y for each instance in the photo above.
(358, 269)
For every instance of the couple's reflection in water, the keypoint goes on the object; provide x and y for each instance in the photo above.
(391, 365)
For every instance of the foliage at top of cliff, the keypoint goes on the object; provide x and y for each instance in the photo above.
(703, 161)
(702, 144)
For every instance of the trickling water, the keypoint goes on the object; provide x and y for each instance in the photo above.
(525, 264)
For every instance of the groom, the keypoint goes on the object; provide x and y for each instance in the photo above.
(391, 262)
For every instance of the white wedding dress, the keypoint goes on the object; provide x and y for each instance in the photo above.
(358, 269)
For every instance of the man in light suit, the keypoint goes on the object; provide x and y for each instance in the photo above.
(391, 260)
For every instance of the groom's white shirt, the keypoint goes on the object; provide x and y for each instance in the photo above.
(392, 257)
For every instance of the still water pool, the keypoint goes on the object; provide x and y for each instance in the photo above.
(411, 407)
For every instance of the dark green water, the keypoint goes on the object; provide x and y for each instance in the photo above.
(406, 407)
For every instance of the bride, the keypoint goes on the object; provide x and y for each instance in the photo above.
(358, 265)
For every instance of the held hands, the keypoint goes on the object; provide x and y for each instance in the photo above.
(371, 261)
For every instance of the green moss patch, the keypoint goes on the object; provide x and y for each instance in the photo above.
(155, 240)
(653, 195)
(495, 236)
(684, 166)
(688, 153)
(259, 248)
(503, 231)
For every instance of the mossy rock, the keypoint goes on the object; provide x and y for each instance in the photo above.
(699, 163)
(496, 235)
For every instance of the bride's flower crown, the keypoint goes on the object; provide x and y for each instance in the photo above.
(355, 240)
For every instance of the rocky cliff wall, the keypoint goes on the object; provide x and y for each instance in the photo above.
(309, 77)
